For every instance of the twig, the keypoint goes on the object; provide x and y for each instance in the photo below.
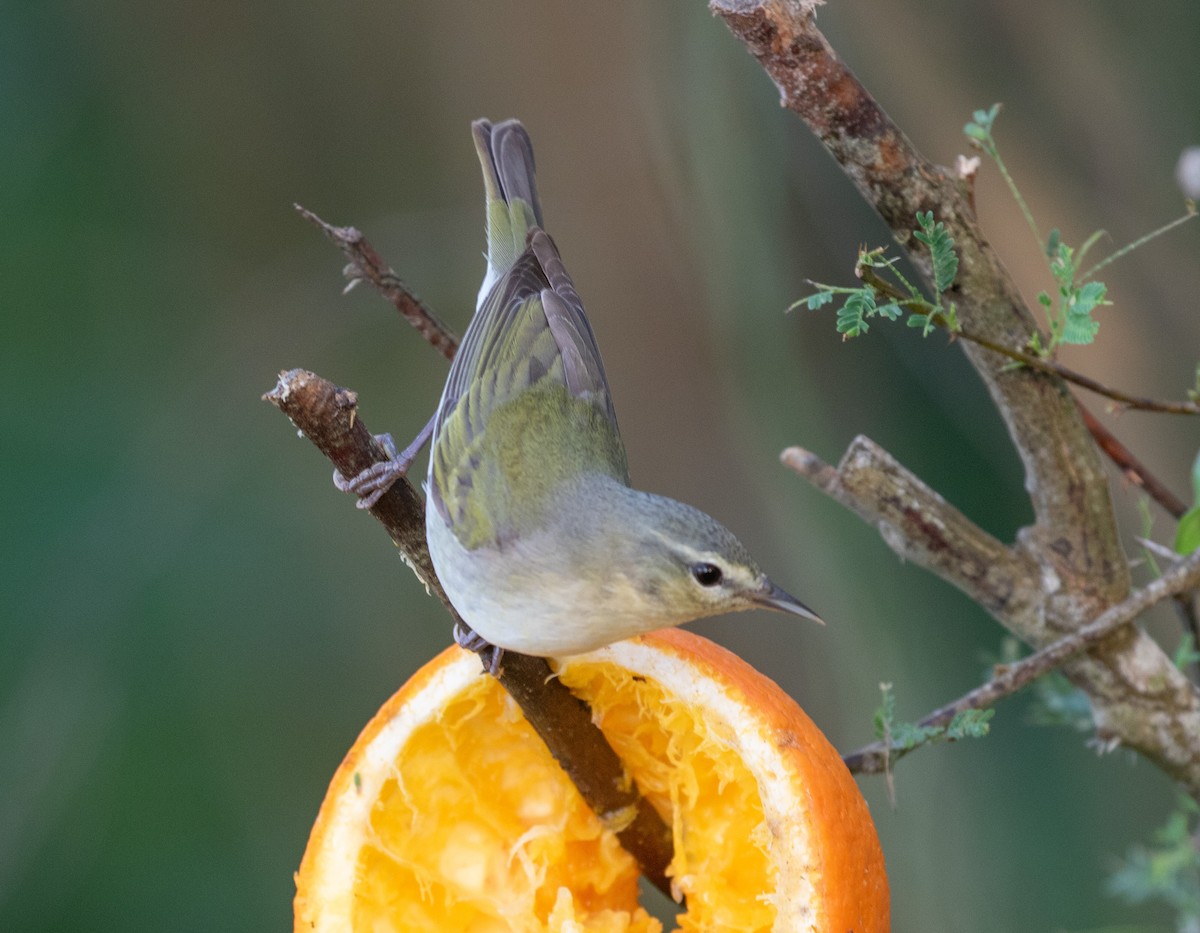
(1010, 678)
(1146, 238)
(366, 265)
(1032, 360)
(1185, 603)
(1130, 466)
(328, 416)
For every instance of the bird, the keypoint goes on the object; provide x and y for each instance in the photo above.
(539, 540)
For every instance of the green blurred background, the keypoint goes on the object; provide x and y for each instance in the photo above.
(194, 624)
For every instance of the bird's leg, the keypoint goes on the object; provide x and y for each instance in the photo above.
(470, 640)
(378, 478)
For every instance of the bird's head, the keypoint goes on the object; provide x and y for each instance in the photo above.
(689, 565)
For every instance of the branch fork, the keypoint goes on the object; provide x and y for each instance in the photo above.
(1067, 569)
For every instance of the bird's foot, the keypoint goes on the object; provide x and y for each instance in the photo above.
(470, 640)
(375, 480)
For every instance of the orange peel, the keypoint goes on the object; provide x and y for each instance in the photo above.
(449, 813)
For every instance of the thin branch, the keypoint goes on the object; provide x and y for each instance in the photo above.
(1130, 466)
(1033, 361)
(1185, 603)
(328, 416)
(1009, 678)
(366, 265)
(1140, 241)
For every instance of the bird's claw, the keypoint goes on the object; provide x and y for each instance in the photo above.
(375, 480)
(470, 640)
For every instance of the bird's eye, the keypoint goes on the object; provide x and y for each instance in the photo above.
(706, 574)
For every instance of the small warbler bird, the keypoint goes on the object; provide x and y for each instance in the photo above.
(539, 540)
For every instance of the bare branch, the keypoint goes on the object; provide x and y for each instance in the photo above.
(922, 527)
(1033, 361)
(1009, 678)
(328, 416)
(366, 265)
(1130, 466)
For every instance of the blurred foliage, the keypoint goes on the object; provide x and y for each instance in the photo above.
(904, 736)
(195, 625)
(1168, 869)
(1187, 535)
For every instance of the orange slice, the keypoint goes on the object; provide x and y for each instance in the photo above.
(449, 814)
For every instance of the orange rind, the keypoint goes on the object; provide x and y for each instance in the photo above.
(449, 814)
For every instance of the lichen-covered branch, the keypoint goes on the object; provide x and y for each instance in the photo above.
(1138, 696)
(922, 527)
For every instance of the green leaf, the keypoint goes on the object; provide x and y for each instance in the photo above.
(885, 713)
(970, 724)
(1062, 267)
(891, 311)
(1044, 299)
(1052, 242)
(1079, 327)
(941, 249)
(904, 736)
(980, 127)
(1063, 270)
(852, 317)
(1167, 870)
(1186, 653)
(908, 735)
(820, 299)
(1187, 535)
(1079, 330)
(1089, 297)
(918, 320)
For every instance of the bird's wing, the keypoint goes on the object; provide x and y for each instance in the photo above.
(529, 372)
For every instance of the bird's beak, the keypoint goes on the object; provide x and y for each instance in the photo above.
(771, 596)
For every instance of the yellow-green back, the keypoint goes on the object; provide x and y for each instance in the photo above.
(526, 406)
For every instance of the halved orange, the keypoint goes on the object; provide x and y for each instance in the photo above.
(449, 814)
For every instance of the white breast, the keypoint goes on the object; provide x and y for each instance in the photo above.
(526, 598)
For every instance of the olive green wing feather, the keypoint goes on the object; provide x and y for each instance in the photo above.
(526, 406)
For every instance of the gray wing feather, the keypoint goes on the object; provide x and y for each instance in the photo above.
(512, 161)
(584, 371)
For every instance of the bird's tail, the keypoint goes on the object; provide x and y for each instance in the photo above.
(506, 156)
